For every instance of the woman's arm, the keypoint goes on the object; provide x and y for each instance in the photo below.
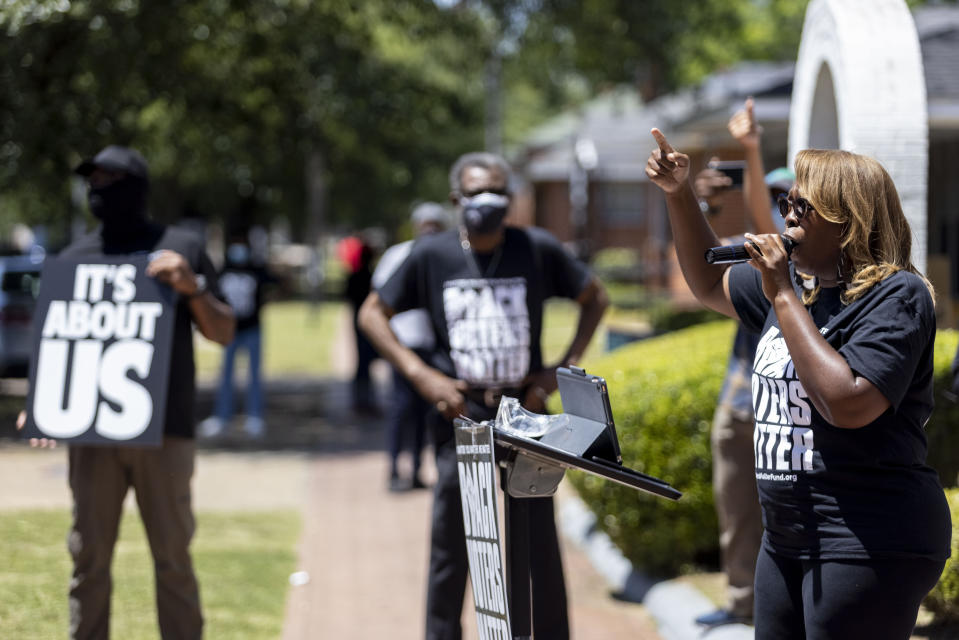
(669, 170)
(844, 399)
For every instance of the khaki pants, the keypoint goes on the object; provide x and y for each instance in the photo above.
(99, 480)
(737, 506)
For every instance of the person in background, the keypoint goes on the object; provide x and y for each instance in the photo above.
(413, 329)
(734, 478)
(357, 289)
(100, 476)
(484, 286)
(857, 528)
(243, 281)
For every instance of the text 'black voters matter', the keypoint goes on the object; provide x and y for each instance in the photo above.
(102, 340)
(783, 443)
(477, 475)
(489, 330)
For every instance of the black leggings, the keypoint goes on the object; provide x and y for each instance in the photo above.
(840, 599)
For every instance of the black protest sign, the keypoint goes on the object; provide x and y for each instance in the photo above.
(103, 333)
(477, 473)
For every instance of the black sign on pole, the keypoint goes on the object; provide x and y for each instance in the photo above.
(476, 465)
(103, 333)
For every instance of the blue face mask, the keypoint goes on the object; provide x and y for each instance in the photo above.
(484, 212)
(238, 254)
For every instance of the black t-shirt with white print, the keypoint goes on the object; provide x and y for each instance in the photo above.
(832, 493)
(486, 309)
(244, 289)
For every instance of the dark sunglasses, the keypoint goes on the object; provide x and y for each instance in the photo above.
(800, 205)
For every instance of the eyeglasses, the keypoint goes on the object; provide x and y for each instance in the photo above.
(800, 205)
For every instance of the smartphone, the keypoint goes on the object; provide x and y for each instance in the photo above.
(734, 169)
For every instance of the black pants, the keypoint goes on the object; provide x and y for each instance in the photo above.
(449, 565)
(852, 600)
(407, 421)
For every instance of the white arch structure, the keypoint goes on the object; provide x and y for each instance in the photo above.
(859, 86)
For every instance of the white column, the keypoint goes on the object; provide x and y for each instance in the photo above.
(859, 86)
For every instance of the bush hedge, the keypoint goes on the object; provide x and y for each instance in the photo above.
(942, 429)
(943, 600)
(663, 393)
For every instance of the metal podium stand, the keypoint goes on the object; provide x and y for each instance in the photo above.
(533, 468)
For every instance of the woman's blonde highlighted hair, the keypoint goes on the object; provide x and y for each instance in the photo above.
(856, 192)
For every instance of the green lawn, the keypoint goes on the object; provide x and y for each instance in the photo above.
(559, 327)
(297, 338)
(243, 561)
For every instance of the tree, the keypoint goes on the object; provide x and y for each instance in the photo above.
(230, 101)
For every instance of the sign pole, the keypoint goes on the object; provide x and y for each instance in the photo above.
(518, 583)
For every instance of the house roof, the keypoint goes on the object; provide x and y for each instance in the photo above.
(615, 122)
(938, 28)
(618, 123)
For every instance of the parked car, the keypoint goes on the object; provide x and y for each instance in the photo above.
(19, 285)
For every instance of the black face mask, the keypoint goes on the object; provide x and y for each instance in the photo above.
(484, 212)
(119, 204)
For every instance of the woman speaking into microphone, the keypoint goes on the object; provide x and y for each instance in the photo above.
(857, 529)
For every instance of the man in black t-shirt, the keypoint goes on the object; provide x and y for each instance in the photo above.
(100, 476)
(483, 285)
(243, 282)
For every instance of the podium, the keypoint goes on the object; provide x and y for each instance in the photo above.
(531, 467)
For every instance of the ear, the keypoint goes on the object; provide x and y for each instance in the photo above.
(454, 197)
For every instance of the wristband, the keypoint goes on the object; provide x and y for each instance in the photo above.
(200, 286)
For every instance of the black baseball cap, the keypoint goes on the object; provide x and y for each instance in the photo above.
(115, 158)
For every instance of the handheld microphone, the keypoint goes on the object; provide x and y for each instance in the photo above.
(737, 252)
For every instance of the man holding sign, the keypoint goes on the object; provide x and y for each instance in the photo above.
(108, 266)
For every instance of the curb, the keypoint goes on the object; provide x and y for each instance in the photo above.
(674, 605)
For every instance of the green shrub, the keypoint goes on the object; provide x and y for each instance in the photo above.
(665, 317)
(663, 392)
(942, 430)
(943, 600)
(626, 295)
(619, 264)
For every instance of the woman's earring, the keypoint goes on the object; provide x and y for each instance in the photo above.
(842, 269)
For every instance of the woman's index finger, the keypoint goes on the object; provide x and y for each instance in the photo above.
(664, 145)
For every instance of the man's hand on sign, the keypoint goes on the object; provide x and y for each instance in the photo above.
(173, 269)
(48, 443)
(443, 392)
